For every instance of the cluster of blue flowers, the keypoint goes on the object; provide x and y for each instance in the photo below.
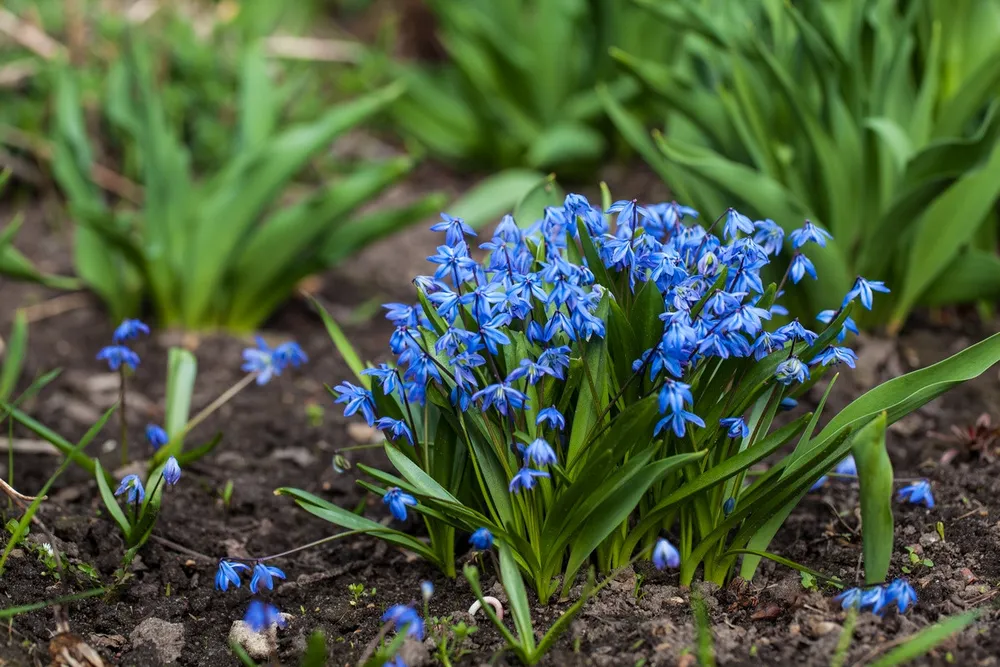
(879, 599)
(259, 615)
(269, 362)
(118, 355)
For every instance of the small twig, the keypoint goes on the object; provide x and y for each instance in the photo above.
(15, 495)
(970, 513)
(173, 546)
(56, 306)
(989, 596)
(836, 513)
(311, 48)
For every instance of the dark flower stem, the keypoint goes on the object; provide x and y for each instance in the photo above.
(122, 415)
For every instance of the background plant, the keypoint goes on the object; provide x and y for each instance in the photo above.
(223, 250)
(876, 120)
(582, 391)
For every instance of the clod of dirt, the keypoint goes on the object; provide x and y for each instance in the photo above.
(167, 639)
(259, 645)
(415, 654)
(300, 456)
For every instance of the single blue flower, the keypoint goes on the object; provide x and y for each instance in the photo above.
(795, 331)
(849, 326)
(767, 343)
(494, 334)
(386, 375)
(261, 616)
(849, 598)
(800, 267)
(117, 356)
(871, 598)
(481, 539)
(289, 354)
(791, 370)
(729, 506)
(736, 221)
(788, 403)
(402, 314)
(129, 329)
(396, 427)
(835, 355)
(556, 358)
(395, 662)
(356, 398)
(133, 485)
(864, 289)
(263, 575)
(454, 229)
(554, 418)
(229, 573)
(260, 360)
(156, 436)
(675, 395)
(525, 479)
(426, 590)
(404, 617)
(737, 428)
(769, 235)
(397, 501)
(918, 492)
(502, 395)
(678, 420)
(454, 262)
(902, 593)
(847, 466)
(171, 471)
(818, 484)
(665, 555)
(809, 232)
(540, 452)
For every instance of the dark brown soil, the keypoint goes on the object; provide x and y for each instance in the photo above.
(269, 441)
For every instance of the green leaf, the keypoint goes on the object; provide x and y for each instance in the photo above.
(926, 640)
(316, 654)
(565, 143)
(494, 196)
(972, 275)
(875, 475)
(13, 355)
(258, 113)
(517, 598)
(74, 453)
(343, 345)
(110, 502)
(182, 369)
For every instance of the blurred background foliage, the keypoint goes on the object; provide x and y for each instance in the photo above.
(876, 119)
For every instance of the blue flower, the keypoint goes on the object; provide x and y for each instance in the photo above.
(263, 575)
(454, 262)
(901, 592)
(261, 616)
(809, 232)
(398, 500)
(665, 555)
(481, 539)
(795, 331)
(818, 484)
(229, 573)
(117, 356)
(386, 375)
(406, 617)
(864, 289)
(540, 452)
(828, 316)
(791, 370)
(769, 235)
(675, 395)
(396, 427)
(918, 492)
(454, 229)
(552, 415)
(729, 506)
(677, 420)
(133, 485)
(395, 662)
(556, 358)
(531, 370)
(800, 267)
(356, 398)
(502, 395)
(525, 479)
(493, 332)
(835, 355)
(260, 360)
(426, 590)
(156, 436)
(171, 471)
(849, 598)
(129, 329)
(847, 466)
(788, 403)
(289, 354)
(737, 427)
(736, 221)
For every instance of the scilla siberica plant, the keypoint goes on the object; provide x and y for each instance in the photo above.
(590, 389)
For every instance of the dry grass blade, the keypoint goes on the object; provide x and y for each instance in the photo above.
(309, 48)
(29, 36)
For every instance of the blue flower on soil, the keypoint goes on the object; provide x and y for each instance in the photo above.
(260, 360)
(289, 354)
(849, 326)
(665, 555)
(729, 506)
(871, 598)
(836, 355)
(791, 370)
(678, 420)
(902, 593)
(818, 484)
(554, 418)
(736, 221)
(737, 428)
(263, 576)
(171, 471)
(117, 356)
(918, 492)
(426, 590)
(261, 616)
(395, 662)
(133, 486)
(129, 329)
(525, 479)
(809, 232)
(847, 466)
(849, 598)
(481, 539)
(402, 617)
(540, 452)
(800, 267)
(396, 427)
(386, 375)
(864, 289)
(502, 395)
(455, 229)
(156, 436)
(229, 573)
(356, 398)
(397, 501)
